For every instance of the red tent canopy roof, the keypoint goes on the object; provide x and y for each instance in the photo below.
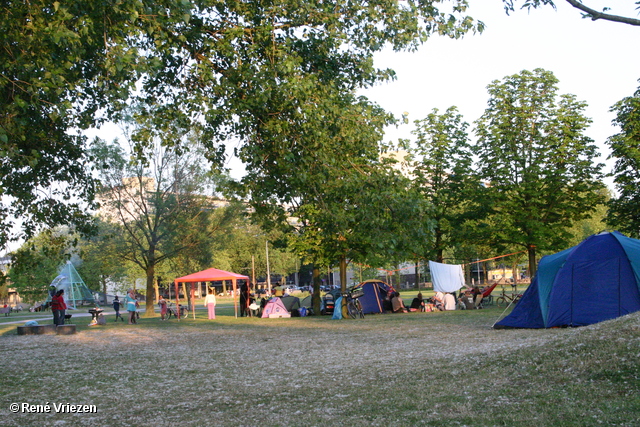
(210, 275)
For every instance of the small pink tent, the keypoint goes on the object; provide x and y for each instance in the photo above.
(275, 308)
(210, 275)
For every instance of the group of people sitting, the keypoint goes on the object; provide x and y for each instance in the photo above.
(441, 301)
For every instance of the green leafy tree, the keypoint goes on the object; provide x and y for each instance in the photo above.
(38, 261)
(160, 204)
(101, 262)
(62, 63)
(328, 186)
(624, 210)
(587, 11)
(226, 68)
(442, 174)
(537, 163)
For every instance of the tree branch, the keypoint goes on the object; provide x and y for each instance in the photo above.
(594, 14)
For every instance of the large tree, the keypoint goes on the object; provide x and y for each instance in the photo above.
(326, 172)
(60, 64)
(162, 202)
(537, 163)
(624, 209)
(441, 167)
(227, 67)
(38, 261)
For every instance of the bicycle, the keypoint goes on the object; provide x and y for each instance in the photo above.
(172, 311)
(354, 307)
(505, 299)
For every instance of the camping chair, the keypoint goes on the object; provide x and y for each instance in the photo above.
(485, 297)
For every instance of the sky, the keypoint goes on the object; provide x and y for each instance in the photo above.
(597, 61)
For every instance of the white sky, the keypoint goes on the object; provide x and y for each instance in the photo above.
(597, 61)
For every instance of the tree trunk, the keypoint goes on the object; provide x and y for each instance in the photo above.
(531, 250)
(104, 289)
(438, 246)
(149, 298)
(315, 299)
(343, 273)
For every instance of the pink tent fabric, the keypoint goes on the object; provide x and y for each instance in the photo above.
(210, 275)
(275, 308)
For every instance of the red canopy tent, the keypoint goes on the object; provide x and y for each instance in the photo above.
(209, 275)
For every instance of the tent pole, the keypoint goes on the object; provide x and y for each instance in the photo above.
(177, 300)
(235, 303)
(193, 301)
(502, 314)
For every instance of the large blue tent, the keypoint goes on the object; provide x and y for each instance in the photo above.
(597, 280)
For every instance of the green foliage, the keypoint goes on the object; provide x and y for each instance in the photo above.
(224, 68)
(37, 262)
(101, 262)
(323, 182)
(624, 210)
(158, 201)
(60, 64)
(442, 174)
(536, 162)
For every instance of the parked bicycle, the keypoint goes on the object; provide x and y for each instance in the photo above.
(505, 299)
(173, 311)
(354, 307)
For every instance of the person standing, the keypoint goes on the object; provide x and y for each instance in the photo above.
(244, 299)
(162, 303)
(131, 306)
(58, 307)
(210, 303)
(116, 307)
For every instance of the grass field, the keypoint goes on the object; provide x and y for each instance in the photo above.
(436, 369)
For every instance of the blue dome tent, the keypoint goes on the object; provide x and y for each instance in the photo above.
(597, 280)
(375, 292)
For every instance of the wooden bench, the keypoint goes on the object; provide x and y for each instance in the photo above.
(47, 330)
(37, 330)
(5, 310)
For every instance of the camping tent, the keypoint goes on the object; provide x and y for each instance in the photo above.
(210, 275)
(291, 303)
(446, 277)
(375, 292)
(594, 281)
(75, 290)
(306, 301)
(275, 308)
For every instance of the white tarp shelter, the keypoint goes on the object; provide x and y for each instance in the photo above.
(446, 277)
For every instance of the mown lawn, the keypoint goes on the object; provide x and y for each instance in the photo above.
(436, 369)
